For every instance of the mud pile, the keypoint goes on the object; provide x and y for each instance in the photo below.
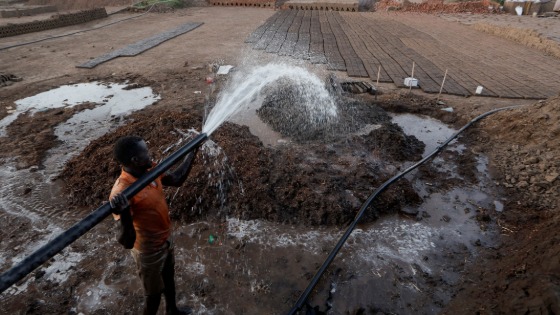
(357, 121)
(89, 176)
(285, 111)
(313, 183)
(520, 276)
(530, 166)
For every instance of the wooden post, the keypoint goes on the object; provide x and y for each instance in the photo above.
(442, 83)
(377, 82)
(412, 76)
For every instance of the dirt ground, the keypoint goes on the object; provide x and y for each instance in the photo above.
(520, 276)
(539, 33)
(274, 183)
(547, 27)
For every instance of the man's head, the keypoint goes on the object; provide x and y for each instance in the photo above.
(132, 151)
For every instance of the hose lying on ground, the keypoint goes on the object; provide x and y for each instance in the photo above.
(305, 295)
(60, 242)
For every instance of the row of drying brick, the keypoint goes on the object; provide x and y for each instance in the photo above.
(244, 3)
(321, 6)
(519, 72)
(19, 12)
(55, 22)
(365, 46)
(290, 5)
(301, 34)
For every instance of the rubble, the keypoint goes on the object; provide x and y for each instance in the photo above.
(530, 166)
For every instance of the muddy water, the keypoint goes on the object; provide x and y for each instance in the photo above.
(398, 264)
(29, 198)
(428, 130)
(249, 118)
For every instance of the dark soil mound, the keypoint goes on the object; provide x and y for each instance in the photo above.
(315, 183)
(393, 143)
(90, 176)
(284, 110)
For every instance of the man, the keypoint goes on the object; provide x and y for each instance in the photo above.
(145, 226)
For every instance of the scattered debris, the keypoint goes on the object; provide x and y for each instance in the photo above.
(358, 87)
(224, 69)
(7, 79)
(549, 14)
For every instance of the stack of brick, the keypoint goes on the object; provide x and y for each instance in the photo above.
(347, 5)
(19, 12)
(244, 3)
(54, 22)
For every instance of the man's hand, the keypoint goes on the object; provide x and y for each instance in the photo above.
(118, 204)
(126, 235)
(178, 177)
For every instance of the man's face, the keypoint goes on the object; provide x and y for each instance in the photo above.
(142, 159)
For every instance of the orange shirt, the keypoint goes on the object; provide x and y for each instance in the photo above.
(150, 214)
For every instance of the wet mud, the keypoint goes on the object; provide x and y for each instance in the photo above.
(520, 276)
(314, 183)
(399, 103)
(31, 136)
(432, 243)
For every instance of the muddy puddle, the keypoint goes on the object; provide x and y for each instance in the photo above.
(249, 118)
(405, 263)
(30, 199)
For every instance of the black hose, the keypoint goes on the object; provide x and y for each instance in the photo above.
(305, 295)
(53, 247)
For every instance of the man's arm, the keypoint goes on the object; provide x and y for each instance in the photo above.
(126, 235)
(178, 177)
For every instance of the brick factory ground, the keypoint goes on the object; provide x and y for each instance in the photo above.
(518, 275)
